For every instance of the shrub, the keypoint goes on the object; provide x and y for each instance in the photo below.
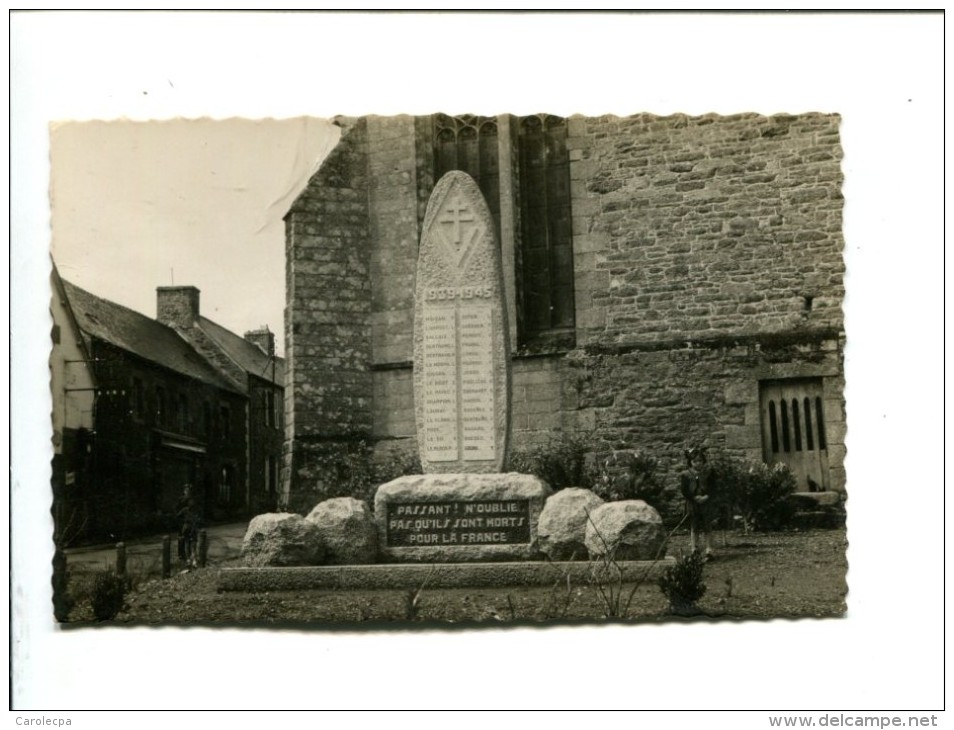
(107, 595)
(763, 500)
(396, 463)
(560, 462)
(723, 477)
(757, 492)
(683, 585)
(626, 475)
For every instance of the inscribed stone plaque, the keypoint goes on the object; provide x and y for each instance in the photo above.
(461, 350)
(497, 522)
(449, 518)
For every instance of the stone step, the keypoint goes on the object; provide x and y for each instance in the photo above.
(437, 575)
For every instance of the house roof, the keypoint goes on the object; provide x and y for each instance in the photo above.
(139, 335)
(245, 354)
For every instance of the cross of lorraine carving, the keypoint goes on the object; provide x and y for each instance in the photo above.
(458, 228)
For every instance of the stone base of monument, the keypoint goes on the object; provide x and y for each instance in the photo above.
(451, 518)
(439, 575)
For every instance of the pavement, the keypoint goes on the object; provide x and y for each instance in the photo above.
(145, 554)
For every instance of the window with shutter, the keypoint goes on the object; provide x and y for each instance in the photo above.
(793, 429)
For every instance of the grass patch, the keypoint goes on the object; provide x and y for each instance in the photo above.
(770, 575)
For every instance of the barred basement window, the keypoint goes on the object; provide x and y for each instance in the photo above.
(809, 436)
(545, 257)
(773, 426)
(793, 429)
(796, 425)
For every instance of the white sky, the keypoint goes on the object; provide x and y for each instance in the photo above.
(138, 205)
(883, 73)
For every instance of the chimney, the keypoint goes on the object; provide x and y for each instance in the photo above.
(263, 339)
(177, 306)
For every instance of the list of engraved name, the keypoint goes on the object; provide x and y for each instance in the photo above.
(458, 381)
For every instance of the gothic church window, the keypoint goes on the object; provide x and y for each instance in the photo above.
(545, 264)
(469, 143)
(539, 173)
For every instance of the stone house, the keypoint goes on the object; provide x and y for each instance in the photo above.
(163, 414)
(671, 281)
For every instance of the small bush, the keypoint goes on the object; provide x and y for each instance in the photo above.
(107, 595)
(683, 585)
(628, 474)
(397, 463)
(764, 497)
(560, 462)
(756, 492)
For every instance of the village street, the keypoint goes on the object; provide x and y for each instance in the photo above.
(225, 541)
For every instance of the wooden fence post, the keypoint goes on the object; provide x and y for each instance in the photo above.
(166, 556)
(203, 548)
(120, 558)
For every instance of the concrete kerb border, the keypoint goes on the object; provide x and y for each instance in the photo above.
(435, 575)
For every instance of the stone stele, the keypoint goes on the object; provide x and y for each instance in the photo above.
(447, 518)
(461, 346)
(627, 530)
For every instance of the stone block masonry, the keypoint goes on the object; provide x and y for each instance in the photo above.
(707, 261)
(706, 227)
(328, 393)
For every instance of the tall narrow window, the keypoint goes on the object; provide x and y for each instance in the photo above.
(820, 418)
(809, 436)
(786, 440)
(796, 425)
(545, 265)
(773, 426)
(469, 143)
(538, 174)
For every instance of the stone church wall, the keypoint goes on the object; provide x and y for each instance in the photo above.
(707, 257)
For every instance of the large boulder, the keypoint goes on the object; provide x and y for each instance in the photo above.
(282, 539)
(562, 528)
(347, 529)
(628, 530)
